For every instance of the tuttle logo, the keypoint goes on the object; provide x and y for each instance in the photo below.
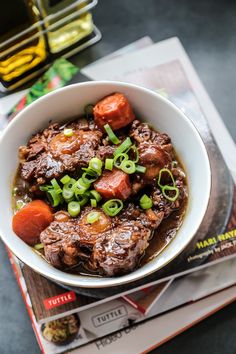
(59, 300)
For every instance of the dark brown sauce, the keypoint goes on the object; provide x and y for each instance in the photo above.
(164, 234)
(20, 192)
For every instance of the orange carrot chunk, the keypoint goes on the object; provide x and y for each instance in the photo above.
(113, 184)
(114, 110)
(31, 220)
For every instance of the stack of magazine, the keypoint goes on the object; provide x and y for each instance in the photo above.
(138, 317)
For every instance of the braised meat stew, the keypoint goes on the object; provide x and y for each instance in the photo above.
(101, 194)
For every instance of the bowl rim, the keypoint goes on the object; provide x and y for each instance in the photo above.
(103, 282)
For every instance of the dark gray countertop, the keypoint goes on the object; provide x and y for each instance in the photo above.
(207, 30)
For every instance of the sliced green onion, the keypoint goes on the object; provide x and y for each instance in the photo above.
(112, 207)
(165, 170)
(92, 217)
(96, 195)
(145, 202)
(170, 189)
(70, 184)
(167, 187)
(118, 159)
(81, 198)
(80, 187)
(56, 186)
(74, 209)
(19, 204)
(123, 147)
(140, 169)
(81, 184)
(68, 132)
(68, 195)
(88, 110)
(65, 179)
(89, 176)
(111, 135)
(135, 150)
(95, 164)
(109, 164)
(45, 188)
(128, 166)
(39, 246)
(93, 203)
(68, 190)
(53, 197)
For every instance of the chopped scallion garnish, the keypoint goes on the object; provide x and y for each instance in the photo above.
(93, 216)
(68, 132)
(93, 203)
(128, 166)
(45, 188)
(112, 207)
(123, 147)
(111, 135)
(68, 190)
(65, 179)
(74, 209)
(95, 165)
(53, 197)
(140, 169)
(118, 159)
(56, 186)
(145, 202)
(67, 194)
(80, 187)
(96, 195)
(109, 164)
(163, 171)
(170, 197)
(89, 176)
(82, 199)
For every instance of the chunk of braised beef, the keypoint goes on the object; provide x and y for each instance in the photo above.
(155, 152)
(154, 158)
(147, 219)
(119, 250)
(142, 132)
(50, 153)
(67, 241)
(59, 238)
(166, 206)
(105, 152)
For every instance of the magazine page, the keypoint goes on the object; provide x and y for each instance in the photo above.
(111, 316)
(141, 338)
(165, 68)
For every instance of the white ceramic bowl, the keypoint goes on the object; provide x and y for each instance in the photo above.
(150, 107)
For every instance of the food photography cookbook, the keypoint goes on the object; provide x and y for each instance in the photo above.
(121, 210)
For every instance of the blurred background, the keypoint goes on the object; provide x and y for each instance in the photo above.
(207, 30)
